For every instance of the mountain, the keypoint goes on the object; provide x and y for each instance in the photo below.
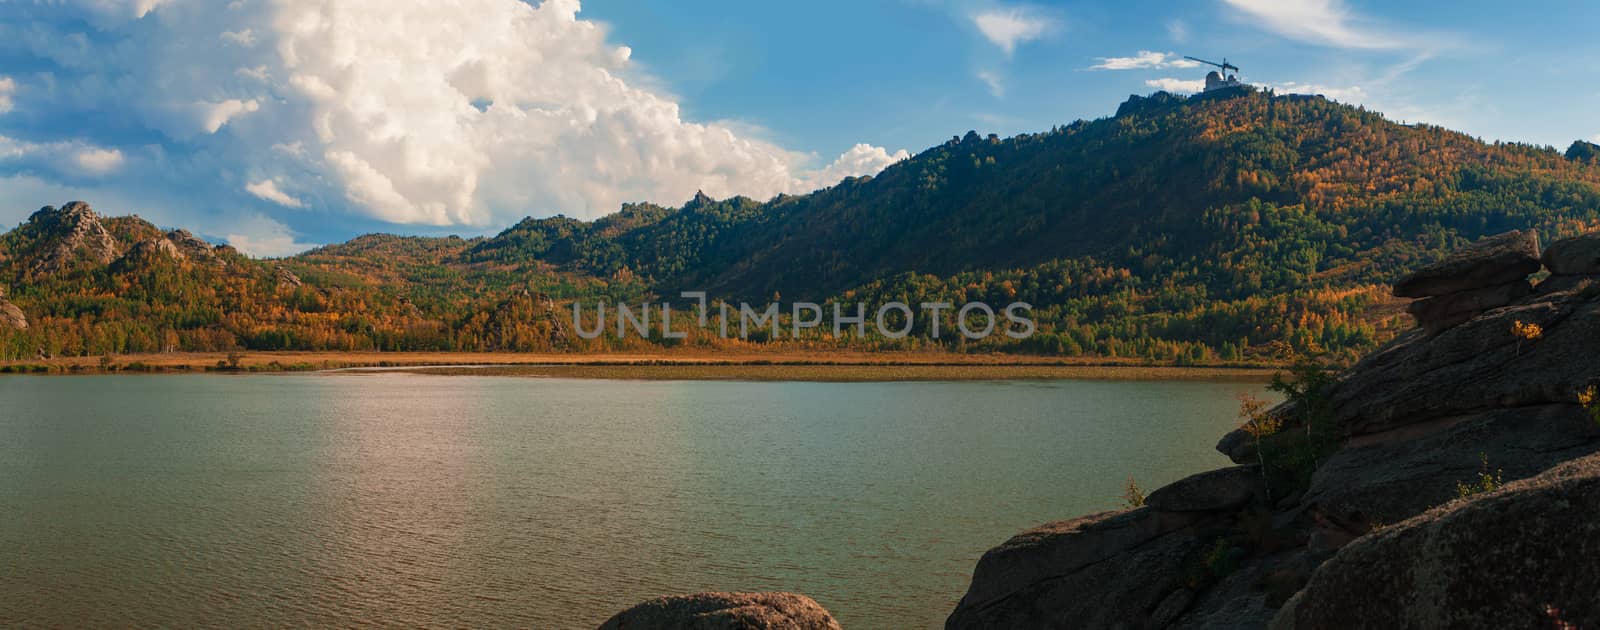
(1257, 226)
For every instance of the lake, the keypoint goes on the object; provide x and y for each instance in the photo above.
(416, 500)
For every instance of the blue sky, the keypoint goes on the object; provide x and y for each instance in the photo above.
(906, 74)
(279, 124)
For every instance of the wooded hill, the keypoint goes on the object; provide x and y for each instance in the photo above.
(1181, 229)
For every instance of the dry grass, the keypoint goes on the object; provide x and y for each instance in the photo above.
(667, 365)
(855, 372)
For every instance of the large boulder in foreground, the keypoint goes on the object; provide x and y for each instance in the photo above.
(1572, 256)
(1480, 365)
(1113, 569)
(725, 611)
(1390, 477)
(1438, 314)
(1490, 262)
(1524, 556)
(1221, 489)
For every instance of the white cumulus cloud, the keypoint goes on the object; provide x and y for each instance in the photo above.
(1353, 94)
(1009, 27)
(97, 161)
(473, 113)
(70, 160)
(860, 159)
(258, 235)
(268, 190)
(1178, 86)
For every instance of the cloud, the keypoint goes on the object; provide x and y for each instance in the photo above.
(1178, 30)
(1007, 28)
(73, 160)
(1179, 86)
(268, 190)
(860, 159)
(1329, 23)
(244, 37)
(1353, 94)
(8, 87)
(471, 114)
(1144, 59)
(258, 235)
(996, 84)
(212, 116)
(97, 161)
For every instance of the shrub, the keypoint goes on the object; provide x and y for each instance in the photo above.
(1132, 495)
(1288, 460)
(1485, 482)
(1590, 400)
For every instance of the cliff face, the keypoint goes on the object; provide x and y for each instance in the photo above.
(1498, 384)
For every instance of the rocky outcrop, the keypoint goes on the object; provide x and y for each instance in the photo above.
(1524, 556)
(1493, 382)
(1438, 314)
(286, 278)
(1574, 256)
(526, 321)
(151, 251)
(1489, 262)
(71, 234)
(1093, 571)
(1221, 489)
(191, 246)
(10, 316)
(725, 611)
(1492, 273)
(180, 245)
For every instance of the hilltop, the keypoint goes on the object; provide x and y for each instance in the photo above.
(1251, 228)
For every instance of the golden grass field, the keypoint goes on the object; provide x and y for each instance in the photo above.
(669, 365)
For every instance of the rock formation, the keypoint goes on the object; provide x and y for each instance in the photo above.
(1490, 274)
(725, 611)
(72, 233)
(286, 278)
(10, 315)
(1574, 256)
(191, 246)
(152, 250)
(1501, 378)
(1520, 557)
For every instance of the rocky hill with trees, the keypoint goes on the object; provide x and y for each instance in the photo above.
(1253, 228)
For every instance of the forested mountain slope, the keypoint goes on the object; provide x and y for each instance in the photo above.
(1188, 229)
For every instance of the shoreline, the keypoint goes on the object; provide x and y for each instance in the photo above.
(823, 366)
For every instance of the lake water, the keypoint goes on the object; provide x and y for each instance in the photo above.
(413, 500)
